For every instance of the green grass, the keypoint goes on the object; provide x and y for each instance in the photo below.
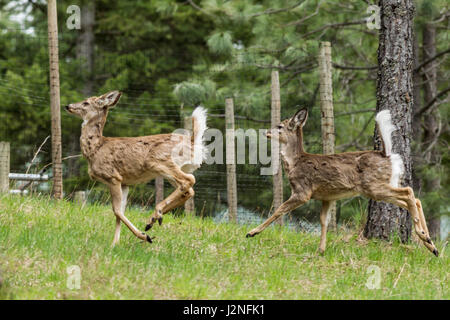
(193, 258)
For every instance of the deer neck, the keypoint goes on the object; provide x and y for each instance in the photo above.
(292, 150)
(92, 135)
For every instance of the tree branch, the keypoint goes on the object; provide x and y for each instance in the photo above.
(431, 59)
(338, 66)
(442, 17)
(194, 5)
(44, 168)
(340, 114)
(332, 25)
(37, 152)
(344, 147)
(432, 101)
(273, 11)
(295, 23)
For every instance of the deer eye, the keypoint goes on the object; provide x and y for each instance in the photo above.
(85, 103)
(280, 126)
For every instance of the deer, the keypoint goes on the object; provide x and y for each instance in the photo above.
(120, 162)
(373, 174)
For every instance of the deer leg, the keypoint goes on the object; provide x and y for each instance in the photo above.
(116, 195)
(185, 195)
(404, 197)
(117, 232)
(287, 206)
(407, 195)
(182, 193)
(324, 213)
(422, 216)
(123, 204)
(429, 244)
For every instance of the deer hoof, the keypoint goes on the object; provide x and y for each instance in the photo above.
(149, 239)
(160, 221)
(249, 235)
(148, 227)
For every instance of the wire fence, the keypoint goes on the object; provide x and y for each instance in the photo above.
(141, 111)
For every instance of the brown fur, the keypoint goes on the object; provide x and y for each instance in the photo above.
(121, 162)
(338, 176)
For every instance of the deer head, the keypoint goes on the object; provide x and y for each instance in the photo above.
(288, 130)
(94, 106)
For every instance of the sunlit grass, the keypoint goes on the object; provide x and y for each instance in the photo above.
(193, 258)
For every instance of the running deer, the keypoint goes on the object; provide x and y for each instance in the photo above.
(373, 174)
(121, 162)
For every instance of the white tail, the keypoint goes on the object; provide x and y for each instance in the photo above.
(385, 127)
(397, 169)
(199, 115)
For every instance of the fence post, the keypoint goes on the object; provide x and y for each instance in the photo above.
(230, 160)
(275, 149)
(327, 116)
(159, 190)
(189, 206)
(4, 166)
(57, 188)
(80, 197)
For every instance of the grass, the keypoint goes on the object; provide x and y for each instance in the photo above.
(193, 258)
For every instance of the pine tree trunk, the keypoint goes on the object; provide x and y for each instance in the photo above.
(417, 120)
(432, 182)
(85, 54)
(394, 92)
(85, 47)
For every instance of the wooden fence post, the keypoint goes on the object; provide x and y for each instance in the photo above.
(275, 149)
(57, 188)
(80, 197)
(327, 115)
(230, 160)
(4, 166)
(189, 206)
(159, 190)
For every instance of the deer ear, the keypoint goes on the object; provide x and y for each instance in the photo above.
(299, 118)
(110, 99)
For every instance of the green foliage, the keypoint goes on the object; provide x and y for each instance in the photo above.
(220, 43)
(192, 94)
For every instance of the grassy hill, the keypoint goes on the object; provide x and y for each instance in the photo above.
(193, 258)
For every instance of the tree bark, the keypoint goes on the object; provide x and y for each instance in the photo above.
(327, 114)
(431, 130)
(85, 47)
(417, 119)
(57, 187)
(85, 54)
(189, 205)
(230, 160)
(394, 92)
(275, 152)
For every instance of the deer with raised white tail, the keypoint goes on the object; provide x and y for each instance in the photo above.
(121, 162)
(373, 174)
